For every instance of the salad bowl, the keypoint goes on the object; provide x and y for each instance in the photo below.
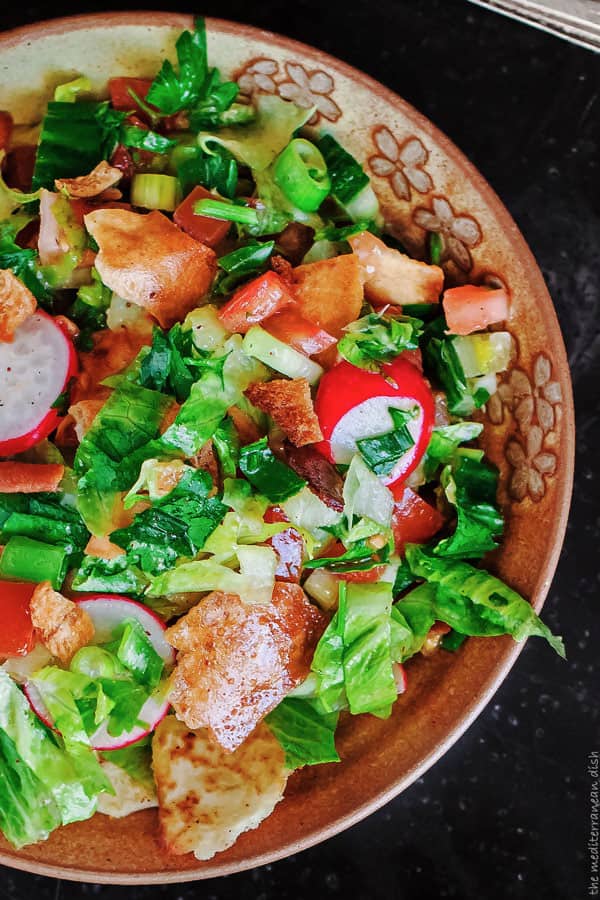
(425, 186)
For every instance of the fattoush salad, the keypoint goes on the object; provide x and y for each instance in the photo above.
(239, 478)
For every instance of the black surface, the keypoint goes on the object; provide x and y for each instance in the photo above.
(506, 813)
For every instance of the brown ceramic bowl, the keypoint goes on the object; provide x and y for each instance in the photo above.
(425, 184)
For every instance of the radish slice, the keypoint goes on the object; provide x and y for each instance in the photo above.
(352, 403)
(107, 612)
(35, 369)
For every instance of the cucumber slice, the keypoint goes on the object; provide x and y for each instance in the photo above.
(279, 356)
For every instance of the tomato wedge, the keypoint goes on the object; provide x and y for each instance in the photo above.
(414, 521)
(257, 300)
(290, 326)
(202, 228)
(121, 99)
(16, 631)
(352, 403)
(471, 308)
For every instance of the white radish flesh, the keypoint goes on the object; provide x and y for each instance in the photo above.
(34, 370)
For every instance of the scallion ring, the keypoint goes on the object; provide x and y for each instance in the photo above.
(301, 173)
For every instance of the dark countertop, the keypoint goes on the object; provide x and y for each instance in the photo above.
(506, 813)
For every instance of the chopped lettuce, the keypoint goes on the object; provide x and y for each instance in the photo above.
(89, 310)
(444, 442)
(216, 170)
(136, 652)
(176, 525)
(375, 339)
(267, 474)
(105, 461)
(365, 495)
(241, 263)
(28, 812)
(474, 602)
(110, 576)
(257, 144)
(23, 262)
(353, 660)
(70, 772)
(306, 735)
(254, 582)
(470, 485)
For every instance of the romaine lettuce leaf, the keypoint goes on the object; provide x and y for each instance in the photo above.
(470, 485)
(307, 736)
(375, 339)
(365, 495)
(105, 461)
(254, 582)
(176, 525)
(70, 772)
(28, 812)
(353, 659)
(474, 602)
(348, 177)
(216, 170)
(44, 517)
(110, 576)
(444, 442)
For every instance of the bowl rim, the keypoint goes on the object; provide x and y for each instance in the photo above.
(46, 27)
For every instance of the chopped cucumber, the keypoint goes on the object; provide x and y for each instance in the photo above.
(484, 354)
(280, 356)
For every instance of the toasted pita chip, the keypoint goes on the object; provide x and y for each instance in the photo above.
(237, 660)
(148, 260)
(208, 797)
(100, 179)
(17, 303)
(392, 277)
(289, 403)
(130, 796)
(330, 292)
(84, 412)
(63, 627)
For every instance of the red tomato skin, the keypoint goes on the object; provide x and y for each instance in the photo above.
(19, 166)
(255, 301)
(289, 326)
(121, 99)
(472, 307)
(414, 521)
(202, 228)
(288, 545)
(345, 386)
(17, 635)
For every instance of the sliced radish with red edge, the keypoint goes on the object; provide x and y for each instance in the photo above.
(35, 369)
(108, 612)
(352, 404)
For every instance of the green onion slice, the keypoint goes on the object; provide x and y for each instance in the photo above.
(301, 173)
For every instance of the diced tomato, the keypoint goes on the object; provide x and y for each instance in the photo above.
(203, 228)
(16, 631)
(292, 328)
(257, 300)
(118, 90)
(415, 357)
(414, 521)
(288, 545)
(6, 127)
(471, 308)
(20, 163)
(368, 576)
(352, 403)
